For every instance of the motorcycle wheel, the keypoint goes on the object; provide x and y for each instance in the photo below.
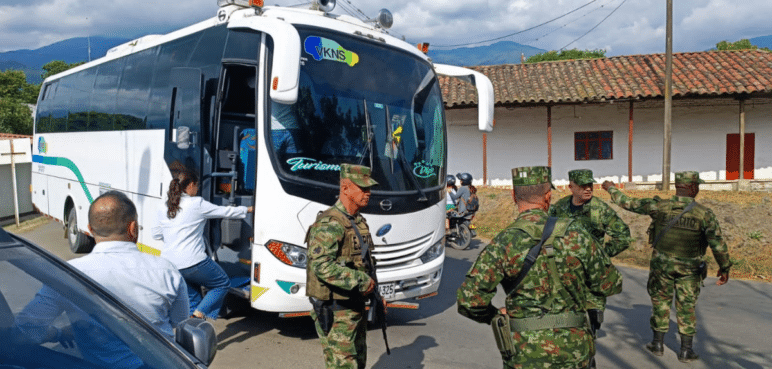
(460, 238)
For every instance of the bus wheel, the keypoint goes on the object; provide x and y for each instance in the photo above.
(79, 242)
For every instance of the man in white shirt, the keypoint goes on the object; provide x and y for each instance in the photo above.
(149, 284)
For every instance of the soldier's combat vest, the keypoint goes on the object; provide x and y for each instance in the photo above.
(349, 255)
(592, 222)
(685, 238)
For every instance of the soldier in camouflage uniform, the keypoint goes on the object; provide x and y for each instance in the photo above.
(337, 280)
(599, 219)
(547, 313)
(678, 260)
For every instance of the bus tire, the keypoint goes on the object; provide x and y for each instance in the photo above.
(79, 242)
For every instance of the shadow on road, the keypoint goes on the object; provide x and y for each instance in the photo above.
(254, 322)
(407, 357)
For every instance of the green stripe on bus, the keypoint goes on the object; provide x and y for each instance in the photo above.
(67, 163)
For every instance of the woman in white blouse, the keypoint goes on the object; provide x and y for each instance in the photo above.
(181, 227)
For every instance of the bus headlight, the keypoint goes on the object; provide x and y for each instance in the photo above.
(289, 254)
(433, 252)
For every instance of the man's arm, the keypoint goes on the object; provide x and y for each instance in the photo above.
(324, 240)
(636, 205)
(180, 308)
(475, 294)
(36, 318)
(717, 244)
(617, 230)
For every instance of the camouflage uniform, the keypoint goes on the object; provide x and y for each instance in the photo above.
(675, 261)
(336, 273)
(599, 219)
(582, 267)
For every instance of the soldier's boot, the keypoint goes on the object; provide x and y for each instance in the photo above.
(657, 346)
(687, 354)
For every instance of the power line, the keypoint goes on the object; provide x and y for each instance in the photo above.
(519, 32)
(596, 26)
(563, 26)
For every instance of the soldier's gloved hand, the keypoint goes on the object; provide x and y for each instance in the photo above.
(722, 278)
(607, 184)
(370, 288)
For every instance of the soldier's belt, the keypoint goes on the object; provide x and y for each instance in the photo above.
(548, 321)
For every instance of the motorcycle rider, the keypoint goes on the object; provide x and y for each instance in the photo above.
(463, 193)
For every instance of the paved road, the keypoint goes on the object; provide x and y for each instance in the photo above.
(733, 327)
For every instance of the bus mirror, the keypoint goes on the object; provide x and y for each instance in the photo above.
(185, 138)
(285, 65)
(484, 92)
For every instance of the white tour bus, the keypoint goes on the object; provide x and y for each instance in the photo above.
(264, 103)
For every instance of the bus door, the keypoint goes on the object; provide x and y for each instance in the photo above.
(235, 167)
(183, 145)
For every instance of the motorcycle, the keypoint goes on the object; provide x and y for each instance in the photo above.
(461, 230)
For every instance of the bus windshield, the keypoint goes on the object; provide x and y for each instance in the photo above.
(364, 103)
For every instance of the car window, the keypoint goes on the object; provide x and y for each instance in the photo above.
(53, 320)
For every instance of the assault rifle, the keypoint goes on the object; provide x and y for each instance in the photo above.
(377, 312)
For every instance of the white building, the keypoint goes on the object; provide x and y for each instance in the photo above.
(607, 115)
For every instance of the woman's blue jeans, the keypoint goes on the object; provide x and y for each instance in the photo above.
(210, 275)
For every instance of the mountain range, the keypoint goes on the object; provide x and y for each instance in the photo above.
(75, 50)
(72, 50)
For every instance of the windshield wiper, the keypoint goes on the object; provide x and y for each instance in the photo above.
(404, 164)
(368, 149)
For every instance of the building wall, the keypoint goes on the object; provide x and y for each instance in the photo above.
(23, 176)
(699, 130)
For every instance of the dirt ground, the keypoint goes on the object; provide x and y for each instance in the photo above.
(745, 219)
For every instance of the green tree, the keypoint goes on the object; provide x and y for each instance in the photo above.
(572, 54)
(15, 117)
(57, 66)
(14, 86)
(743, 44)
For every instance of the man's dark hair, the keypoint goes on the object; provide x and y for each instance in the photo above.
(111, 213)
(531, 193)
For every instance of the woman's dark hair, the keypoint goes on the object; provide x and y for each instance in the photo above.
(178, 185)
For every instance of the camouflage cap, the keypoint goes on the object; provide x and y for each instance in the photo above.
(359, 174)
(688, 177)
(529, 176)
(581, 176)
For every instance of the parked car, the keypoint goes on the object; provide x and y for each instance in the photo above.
(79, 324)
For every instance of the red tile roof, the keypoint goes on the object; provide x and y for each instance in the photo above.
(709, 73)
(11, 135)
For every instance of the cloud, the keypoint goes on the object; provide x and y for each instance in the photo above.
(637, 27)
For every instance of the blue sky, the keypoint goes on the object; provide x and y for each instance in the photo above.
(636, 27)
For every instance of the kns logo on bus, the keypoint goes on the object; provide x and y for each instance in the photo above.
(321, 48)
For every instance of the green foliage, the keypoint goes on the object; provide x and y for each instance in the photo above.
(57, 66)
(755, 235)
(14, 86)
(15, 117)
(743, 44)
(572, 54)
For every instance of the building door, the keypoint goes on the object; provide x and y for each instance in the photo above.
(733, 155)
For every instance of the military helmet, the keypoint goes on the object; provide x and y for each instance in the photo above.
(466, 178)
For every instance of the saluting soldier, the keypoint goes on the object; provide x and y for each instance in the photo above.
(680, 232)
(600, 220)
(544, 311)
(337, 278)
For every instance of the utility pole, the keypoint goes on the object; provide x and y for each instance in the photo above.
(668, 98)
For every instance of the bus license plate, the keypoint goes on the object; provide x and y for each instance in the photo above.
(386, 290)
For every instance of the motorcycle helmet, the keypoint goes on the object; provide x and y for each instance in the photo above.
(466, 178)
(450, 180)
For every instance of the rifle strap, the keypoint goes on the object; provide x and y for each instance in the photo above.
(365, 246)
(672, 223)
(530, 259)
